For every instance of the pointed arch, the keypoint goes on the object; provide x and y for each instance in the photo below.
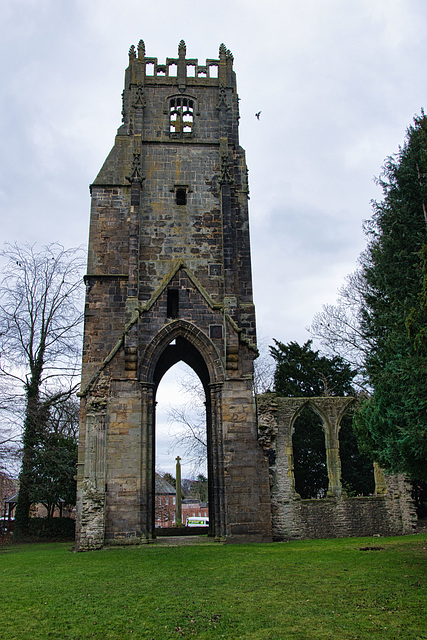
(192, 346)
(300, 404)
(181, 340)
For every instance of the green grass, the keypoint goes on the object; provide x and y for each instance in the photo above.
(305, 590)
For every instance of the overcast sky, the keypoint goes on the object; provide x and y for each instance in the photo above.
(338, 83)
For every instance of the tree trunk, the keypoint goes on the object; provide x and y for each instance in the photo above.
(32, 428)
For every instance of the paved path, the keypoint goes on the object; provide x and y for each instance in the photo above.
(182, 541)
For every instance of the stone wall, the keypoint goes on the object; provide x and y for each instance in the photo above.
(390, 511)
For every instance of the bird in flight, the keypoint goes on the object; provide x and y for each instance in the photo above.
(257, 115)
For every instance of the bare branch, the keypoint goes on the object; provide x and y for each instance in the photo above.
(264, 367)
(40, 338)
(338, 328)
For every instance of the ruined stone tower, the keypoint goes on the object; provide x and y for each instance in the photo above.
(169, 279)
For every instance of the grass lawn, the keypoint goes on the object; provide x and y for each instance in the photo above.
(306, 590)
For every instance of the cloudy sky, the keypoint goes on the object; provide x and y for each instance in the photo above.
(337, 82)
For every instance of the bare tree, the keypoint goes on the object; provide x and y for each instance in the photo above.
(64, 415)
(11, 411)
(264, 367)
(10, 454)
(40, 341)
(191, 418)
(338, 327)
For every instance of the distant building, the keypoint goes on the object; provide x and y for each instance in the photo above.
(194, 508)
(166, 505)
(8, 486)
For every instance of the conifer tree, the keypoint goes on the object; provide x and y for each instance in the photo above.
(392, 424)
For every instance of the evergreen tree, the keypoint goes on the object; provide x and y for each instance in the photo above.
(200, 488)
(392, 424)
(53, 472)
(51, 477)
(302, 372)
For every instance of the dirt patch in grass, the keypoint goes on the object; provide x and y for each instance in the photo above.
(371, 548)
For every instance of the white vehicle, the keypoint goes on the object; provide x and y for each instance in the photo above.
(197, 521)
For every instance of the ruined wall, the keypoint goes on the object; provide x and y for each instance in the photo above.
(390, 511)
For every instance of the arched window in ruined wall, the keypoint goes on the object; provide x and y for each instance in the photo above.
(326, 457)
(291, 427)
(357, 470)
(309, 455)
(309, 444)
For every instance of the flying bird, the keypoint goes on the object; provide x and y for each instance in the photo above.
(257, 115)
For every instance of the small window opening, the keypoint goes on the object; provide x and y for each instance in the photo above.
(172, 304)
(215, 270)
(215, 331)
(213, 71)
(181, 196)
(149, 69)
(172, 70)
(191, 70)
(201, 72)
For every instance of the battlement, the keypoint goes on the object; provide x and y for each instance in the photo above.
(181, 70)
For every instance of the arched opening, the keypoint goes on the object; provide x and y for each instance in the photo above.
(181, 350)
(181, 433)
(309, 455)
(179, 340)
(357, 470)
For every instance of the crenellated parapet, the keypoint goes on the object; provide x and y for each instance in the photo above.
(180, 81)
(181, 69)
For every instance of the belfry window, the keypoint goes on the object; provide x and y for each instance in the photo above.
(181, 117)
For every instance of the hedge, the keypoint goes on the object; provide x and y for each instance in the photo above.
(52, 528)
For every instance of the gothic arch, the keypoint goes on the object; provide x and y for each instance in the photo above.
(330, 409)
(305, 404)
(309, 457)
(193, 347)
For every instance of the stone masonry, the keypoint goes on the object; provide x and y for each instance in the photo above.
(390, 511)
(169, 279)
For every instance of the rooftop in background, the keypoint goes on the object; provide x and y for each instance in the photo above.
(163, 487)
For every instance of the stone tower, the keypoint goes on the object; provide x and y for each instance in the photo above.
(169, 279)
